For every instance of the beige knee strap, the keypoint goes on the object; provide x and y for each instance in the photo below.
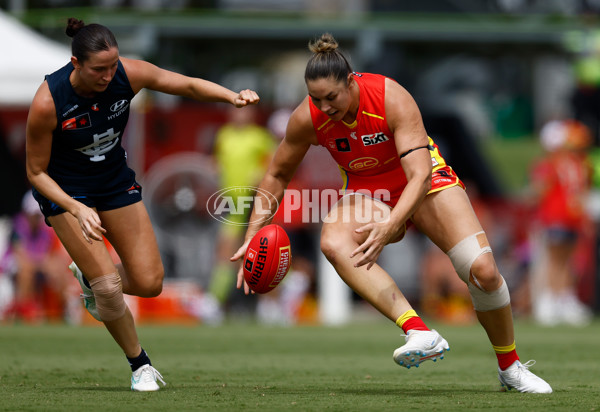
(462, 255)
(465, 252)
(108, 293)
(485, 301)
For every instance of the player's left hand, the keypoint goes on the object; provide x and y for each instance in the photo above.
(380, 234)
(246, 97)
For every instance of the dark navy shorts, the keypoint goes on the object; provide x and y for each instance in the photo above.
(101, 203)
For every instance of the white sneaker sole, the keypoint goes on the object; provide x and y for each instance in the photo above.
(410, 358)
(504, 387)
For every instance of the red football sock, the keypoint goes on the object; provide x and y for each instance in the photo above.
(507, 359)
(415, 323)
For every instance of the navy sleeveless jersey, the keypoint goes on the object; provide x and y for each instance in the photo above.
(87, 155)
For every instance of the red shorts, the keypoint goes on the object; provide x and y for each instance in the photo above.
(383, 187)
(444, 178)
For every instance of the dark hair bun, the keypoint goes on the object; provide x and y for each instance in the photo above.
(73, 26)
(326, 43)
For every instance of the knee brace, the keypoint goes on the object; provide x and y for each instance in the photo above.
(108, 293)
(462, 255)
(484, 301)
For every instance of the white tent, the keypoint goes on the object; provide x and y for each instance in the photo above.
(25, 57)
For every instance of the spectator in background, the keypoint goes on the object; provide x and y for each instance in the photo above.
(242, 152)
(560, 182)
(35, 260)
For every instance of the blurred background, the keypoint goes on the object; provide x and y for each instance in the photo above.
(488, 76)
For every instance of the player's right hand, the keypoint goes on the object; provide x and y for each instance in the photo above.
(240, 275)
(90, 223)
(245, 98)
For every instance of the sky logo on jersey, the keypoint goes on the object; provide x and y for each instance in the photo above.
(371, 139)
(342, 145)
(80, 122)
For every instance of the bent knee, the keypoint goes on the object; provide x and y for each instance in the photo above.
(335, 242)
(149, 284)
(329, 247)
(484, 273)
(108, 292)
(153, 290)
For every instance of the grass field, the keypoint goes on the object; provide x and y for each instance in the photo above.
(244, 367)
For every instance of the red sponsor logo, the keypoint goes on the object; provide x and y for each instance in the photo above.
(80, 122)
(283, 265)
(250, 258)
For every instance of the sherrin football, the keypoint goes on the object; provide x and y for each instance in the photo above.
(267, 259)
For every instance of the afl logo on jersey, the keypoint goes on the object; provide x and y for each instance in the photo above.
(363, 163)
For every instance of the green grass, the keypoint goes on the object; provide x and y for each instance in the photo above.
(252, 368)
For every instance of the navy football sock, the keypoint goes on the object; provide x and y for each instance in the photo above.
(85, 282)
(140, 361)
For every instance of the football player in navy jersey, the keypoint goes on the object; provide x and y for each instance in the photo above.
(78, 169)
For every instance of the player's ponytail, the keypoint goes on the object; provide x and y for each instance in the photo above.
(88, 38)
(327, 61)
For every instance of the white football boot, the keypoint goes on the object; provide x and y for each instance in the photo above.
(519, 377)
(144, 379)
(88, 296)
(421, 345)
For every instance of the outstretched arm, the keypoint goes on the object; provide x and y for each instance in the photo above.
(144, 75)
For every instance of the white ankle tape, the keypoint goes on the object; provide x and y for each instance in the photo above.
(108, 293)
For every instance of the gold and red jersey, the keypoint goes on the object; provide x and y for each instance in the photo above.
(365, 150)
